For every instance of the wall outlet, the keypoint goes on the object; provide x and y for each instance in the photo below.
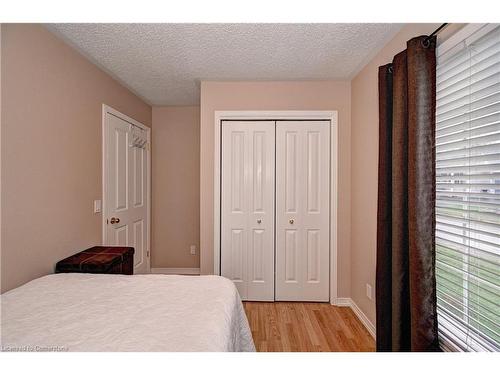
(97, 206)
(369, 291)
(193, 249)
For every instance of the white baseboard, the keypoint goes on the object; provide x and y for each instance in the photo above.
(176, 271)
(342, 302)
(359, 313)
(364, 319)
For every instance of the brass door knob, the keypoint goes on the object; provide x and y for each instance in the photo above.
(114, 220)
(291, 221)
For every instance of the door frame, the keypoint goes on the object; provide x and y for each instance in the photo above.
(107, 109)
(331, 116)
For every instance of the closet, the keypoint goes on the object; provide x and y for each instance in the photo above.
(275, 209)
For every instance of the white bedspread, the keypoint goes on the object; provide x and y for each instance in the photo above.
(87, 312)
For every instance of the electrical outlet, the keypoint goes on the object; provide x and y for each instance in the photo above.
(369, 291)
(193, 249)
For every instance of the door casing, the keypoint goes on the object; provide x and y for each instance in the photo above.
(107, 109)
(331, 116)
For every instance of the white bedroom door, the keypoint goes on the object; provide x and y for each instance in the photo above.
(302, 210)
(126, 188)
(247, 209)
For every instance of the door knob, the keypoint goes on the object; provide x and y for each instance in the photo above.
(114, 220)
(291, 221)
(259, 221)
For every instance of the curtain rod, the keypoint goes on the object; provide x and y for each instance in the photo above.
(427, 40)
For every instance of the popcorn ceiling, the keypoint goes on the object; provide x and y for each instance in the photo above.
(164, 63)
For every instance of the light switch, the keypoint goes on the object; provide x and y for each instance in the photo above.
(369, 291)
(97, 206)
(193, 249)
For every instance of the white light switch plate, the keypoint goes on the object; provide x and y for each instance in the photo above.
(369, 291)
(193, 249)
(97, 206)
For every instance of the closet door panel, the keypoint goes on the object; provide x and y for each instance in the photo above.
(291, 258)
(248, 149)
(261, 216)
(302, 210)
(234, 207)
(291, 170)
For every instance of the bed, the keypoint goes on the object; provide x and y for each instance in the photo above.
(90, 312)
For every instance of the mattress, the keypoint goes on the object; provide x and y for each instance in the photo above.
(90, 312)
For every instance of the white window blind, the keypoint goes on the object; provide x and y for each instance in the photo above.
(468, 190)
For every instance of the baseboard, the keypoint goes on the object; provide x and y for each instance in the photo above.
(176, 271)
(358, 312)
(364, 319)
(342, 302)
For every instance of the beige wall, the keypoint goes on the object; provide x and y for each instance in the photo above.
(176, 187)
(0, 155)
(51, 150)
(307, 95)
(364, 163)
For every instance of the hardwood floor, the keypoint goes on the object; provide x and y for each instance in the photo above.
(306, 327)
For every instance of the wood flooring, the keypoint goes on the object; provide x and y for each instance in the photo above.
(306, 327)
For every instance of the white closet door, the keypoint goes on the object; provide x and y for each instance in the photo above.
(247, 227)
(302, 210)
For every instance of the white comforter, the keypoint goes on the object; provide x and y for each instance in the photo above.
(87, 312)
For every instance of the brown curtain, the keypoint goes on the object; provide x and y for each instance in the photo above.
(406, 283)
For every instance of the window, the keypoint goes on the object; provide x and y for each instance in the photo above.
(468, 189)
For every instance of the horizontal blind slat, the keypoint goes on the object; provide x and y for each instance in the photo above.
(478, 332)
(485, 257)
(469, 142)
(467, 152)
(488, 122)
(450, 257)
(442, 225)
(447, 242)
(469, 223)
(479, 60)
(446, 288)
(448, 306)
(482, 185)
(465, 340)
(471, 241)
(468, 100)
(485, 158)
(461, 76)
(457, 311)
(463, 55)
(484, 297)
(469, 177)
(463, 82)
(449, 232)
(480, 87)
(487, 284)
(466, 307)
(485, 218)
(465, 168)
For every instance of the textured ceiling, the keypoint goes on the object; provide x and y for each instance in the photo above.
(164, 63)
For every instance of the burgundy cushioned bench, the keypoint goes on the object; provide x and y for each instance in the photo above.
(99, 259)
